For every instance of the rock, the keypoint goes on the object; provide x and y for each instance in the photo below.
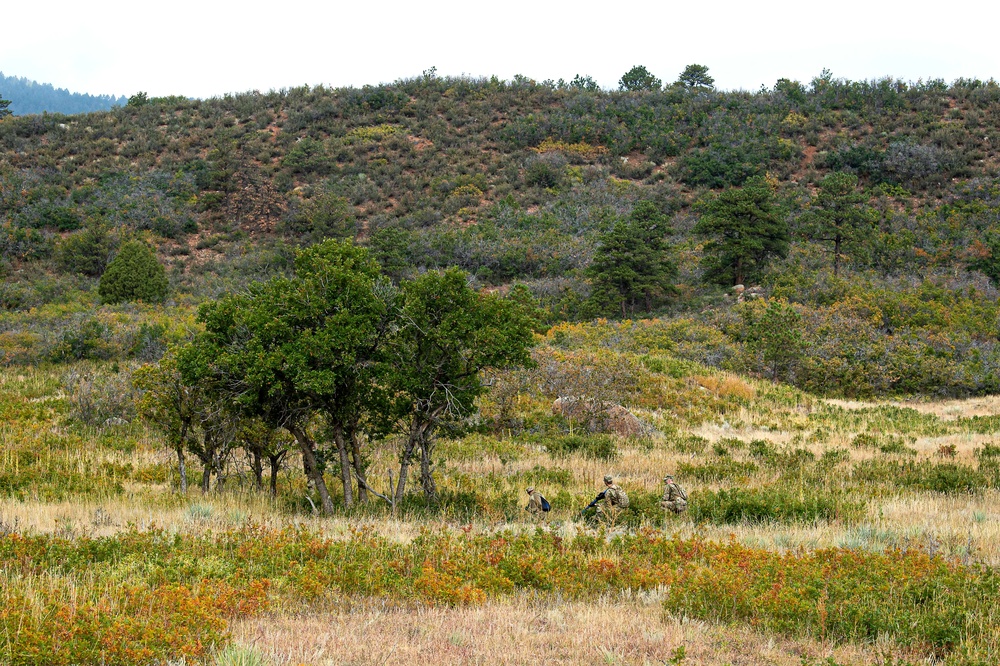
(601, 416)
(744, 294)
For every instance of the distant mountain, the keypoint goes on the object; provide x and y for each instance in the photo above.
(29, 97)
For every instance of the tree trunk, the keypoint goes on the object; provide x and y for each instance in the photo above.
(836, 255)
(345, 465)
(182, 468)
(206, 476)
(359, 467)
(220, 478)
(275, 462)
(311, 465)
(257, 463)
(416, 434)
(426, 472)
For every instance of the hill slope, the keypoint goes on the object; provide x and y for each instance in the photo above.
(517, 181)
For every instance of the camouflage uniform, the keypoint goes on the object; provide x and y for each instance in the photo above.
(614, 496)
(534, 502)
(674, 497)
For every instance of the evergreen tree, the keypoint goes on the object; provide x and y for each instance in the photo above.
(639, 78)
(134, 275)
(746, 229)
(837, 214)
(632, 267)
(4, 111)
(695, 76)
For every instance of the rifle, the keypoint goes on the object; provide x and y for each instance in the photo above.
(597, 499)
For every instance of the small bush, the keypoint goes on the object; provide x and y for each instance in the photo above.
(598, 447)
(134, 275)
(690, 444)
(543, 174)
(717, 471)
(100, 398)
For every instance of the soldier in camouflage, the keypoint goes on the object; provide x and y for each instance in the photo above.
(674, 497)
(614, 496)
(534, 501)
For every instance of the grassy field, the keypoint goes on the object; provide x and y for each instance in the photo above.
(819, 532)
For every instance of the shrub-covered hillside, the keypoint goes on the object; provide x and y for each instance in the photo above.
(867, 212)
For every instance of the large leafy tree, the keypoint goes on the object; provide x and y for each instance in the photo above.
(293, 347)
(837, 215)
(191, 418)
(639, 78)
(169, 404)
(449, 334)
(745, 229)
(632, 266)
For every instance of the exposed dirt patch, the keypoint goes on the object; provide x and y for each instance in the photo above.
(635, 157)
(419, 143)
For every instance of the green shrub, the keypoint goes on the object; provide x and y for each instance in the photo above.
(542, 174)
(690, 444)
(925, 475)
(88, 251)
(548, 475)
(598, 447)
(729, 507)
(134, 275)
(717, 471)
(761, 449)
(989, 451)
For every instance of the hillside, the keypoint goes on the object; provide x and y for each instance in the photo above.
(517, 181)
(246, 421)
(30, 97)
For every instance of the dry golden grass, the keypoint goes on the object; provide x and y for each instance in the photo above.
(520, 631)
(943, 409)
(726, 385)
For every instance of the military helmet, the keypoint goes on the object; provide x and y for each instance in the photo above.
(530, 489)
(668, 477)
(608, 478)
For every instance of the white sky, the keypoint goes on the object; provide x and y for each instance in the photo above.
(203, 48)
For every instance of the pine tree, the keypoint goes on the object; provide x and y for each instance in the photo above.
(746, 229)
(639, 78)
(632, 267)
(837, 214)
(134, 275)
(4, 111)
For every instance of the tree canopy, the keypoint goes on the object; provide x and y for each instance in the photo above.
(632, 267)
(745, 229)
(639, 78)
(837, 214)
(695, 76)
(337, 350)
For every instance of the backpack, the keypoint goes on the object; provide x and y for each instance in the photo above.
(545, 505)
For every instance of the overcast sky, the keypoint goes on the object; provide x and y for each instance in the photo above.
(203, 48)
